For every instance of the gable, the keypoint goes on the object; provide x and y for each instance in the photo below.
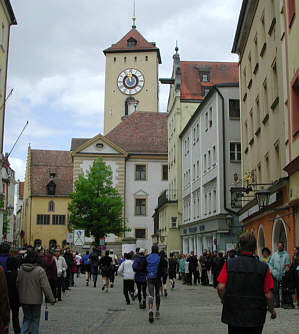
(140, 193)
(99, 147)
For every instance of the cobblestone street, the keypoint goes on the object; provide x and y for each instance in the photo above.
(186, 310)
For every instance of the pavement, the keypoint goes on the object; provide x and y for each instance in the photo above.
(186, 310)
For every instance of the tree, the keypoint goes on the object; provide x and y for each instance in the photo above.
(96, 206)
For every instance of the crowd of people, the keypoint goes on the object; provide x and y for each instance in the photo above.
(28, 274)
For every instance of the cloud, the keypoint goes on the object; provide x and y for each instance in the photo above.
(19, 166)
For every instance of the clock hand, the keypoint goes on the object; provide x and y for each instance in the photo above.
(130, 76)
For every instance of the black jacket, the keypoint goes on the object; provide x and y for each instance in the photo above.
(11, 278)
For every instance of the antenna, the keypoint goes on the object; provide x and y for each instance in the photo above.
(18, 139)
(134, 17)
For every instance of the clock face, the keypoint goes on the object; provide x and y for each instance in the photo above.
(130, 81)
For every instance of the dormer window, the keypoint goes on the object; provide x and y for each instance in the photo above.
(204, 76)
(99, 145)
(51, 188)
(131, 42)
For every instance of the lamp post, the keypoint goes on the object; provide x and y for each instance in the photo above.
(262, 197)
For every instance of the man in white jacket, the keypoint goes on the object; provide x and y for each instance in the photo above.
(126, 271)
(61, 272)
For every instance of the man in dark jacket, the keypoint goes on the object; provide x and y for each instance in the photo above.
(4, 254)
(244, 287)
(193, 263)
(4, 303)
(139, 266)
(70, 262)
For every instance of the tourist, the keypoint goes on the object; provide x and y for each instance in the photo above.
(78, 259)
(61, 273)
(139, 267)
(266, 255)
(295, 268)
(4, 303)
(288, 288)
(164, 274)
(154, 272)
(12, 265)
(49, 264)
(182, 268)
(106, 267)
(94, 265)
(217, 265)
(193, 263)
(209, 266)
(245, 290)
(4, 254)
(126, 271)
(86, 265)
(32, 282)
(114, 267)
(204, 267)
(277, 265)
(187, 275)
(172, 269)
(68, 256)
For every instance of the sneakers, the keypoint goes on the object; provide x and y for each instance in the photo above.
(151, 316)
(165, 292)
(94, 284)
(157, 315)
(173, 284)
(144, 304)
(111, 285)
(132, 295)
(103, 287)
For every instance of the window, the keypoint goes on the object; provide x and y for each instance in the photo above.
(164, 172)
(209, 159)
(140, 173)
(114, 59)
(51, 206)
(135, 59)
(131, 42)
(207, 121)
(125, 59)
(214, 201)
(193, 176)
(210, 202)
(140, 233)
(235, 152)
(197, 132)
(295, 104)
(291, 11)
(140, 207)
(99, 145)
(146, 58)
(58, 220)
(2, 34)
(173, 222)
(42, 219)
(275, 98)
(214, 155)
(234, 109)
(197, 165)
(204, 162)
(210, 117)
(205, 91)
(206, 204)
(204, 76)
(194, 135)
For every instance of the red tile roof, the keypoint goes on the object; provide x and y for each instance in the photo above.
(220, 72)
(21, 190)
(141, 45)
(141, 132)
(45, 161)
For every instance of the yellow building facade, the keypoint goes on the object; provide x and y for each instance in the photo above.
(48, 182)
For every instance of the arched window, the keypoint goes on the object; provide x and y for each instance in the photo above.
(260, 240)
(279, 234)
(130, 105)
(51, 206)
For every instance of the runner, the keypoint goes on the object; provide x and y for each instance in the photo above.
(106, 268)
(86, 264)
(172, 269)
(126, 271)
(154, 270)
(139, 266)
(114, 267)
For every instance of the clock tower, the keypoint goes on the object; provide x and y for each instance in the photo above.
(131, 78)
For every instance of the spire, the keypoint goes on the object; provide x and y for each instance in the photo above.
(176, 47)
(134, 17)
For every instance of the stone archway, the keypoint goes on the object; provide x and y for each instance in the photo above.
(279, 234)
(260, 240)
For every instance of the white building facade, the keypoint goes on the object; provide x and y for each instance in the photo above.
(211, 164)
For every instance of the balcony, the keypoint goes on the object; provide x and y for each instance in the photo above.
(166, 196)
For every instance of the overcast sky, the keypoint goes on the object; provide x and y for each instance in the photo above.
(57, 67)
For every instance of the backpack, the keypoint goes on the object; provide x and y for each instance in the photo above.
(139, 264)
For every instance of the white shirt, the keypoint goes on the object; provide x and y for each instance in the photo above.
(126, 270)
(78, 260)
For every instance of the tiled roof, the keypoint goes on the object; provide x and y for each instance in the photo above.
(141, 45)
(220, 72)
(141, 132)
(21, 190)
(76, 142)
(45, 161)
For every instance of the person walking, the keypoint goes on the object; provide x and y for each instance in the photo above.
(106, 267)
(78, 259)
(187, 275)
(126, 271)
(12, 265)
(61, 273)
(277, 265)
(4, 302)
(217, 265)
(164, 274)
(204, 268)
(86, 265)
(139, 267)
(295, 268)
(68, 256)
(154, 272)
(172, 269)
(94, 265)
(4, 254)
(244, 288)
(193, 263)
(32, 282)
(113, 268)
(49, 264)
(182, 268)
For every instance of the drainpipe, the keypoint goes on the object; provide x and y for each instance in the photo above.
(224, 160)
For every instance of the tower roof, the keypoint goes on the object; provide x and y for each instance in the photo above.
(140, 45)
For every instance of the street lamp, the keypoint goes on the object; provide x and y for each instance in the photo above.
(262, 197)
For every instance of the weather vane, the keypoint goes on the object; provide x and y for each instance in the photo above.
(134, 17)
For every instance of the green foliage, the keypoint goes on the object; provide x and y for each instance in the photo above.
(96, 205)
(5, 223)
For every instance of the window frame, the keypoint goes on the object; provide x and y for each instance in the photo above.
(43, 218)
(145, 233)
(235, 151)
(145, 172)
(162, 167)
(145, 206)
(230, 101)
(56, 220)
